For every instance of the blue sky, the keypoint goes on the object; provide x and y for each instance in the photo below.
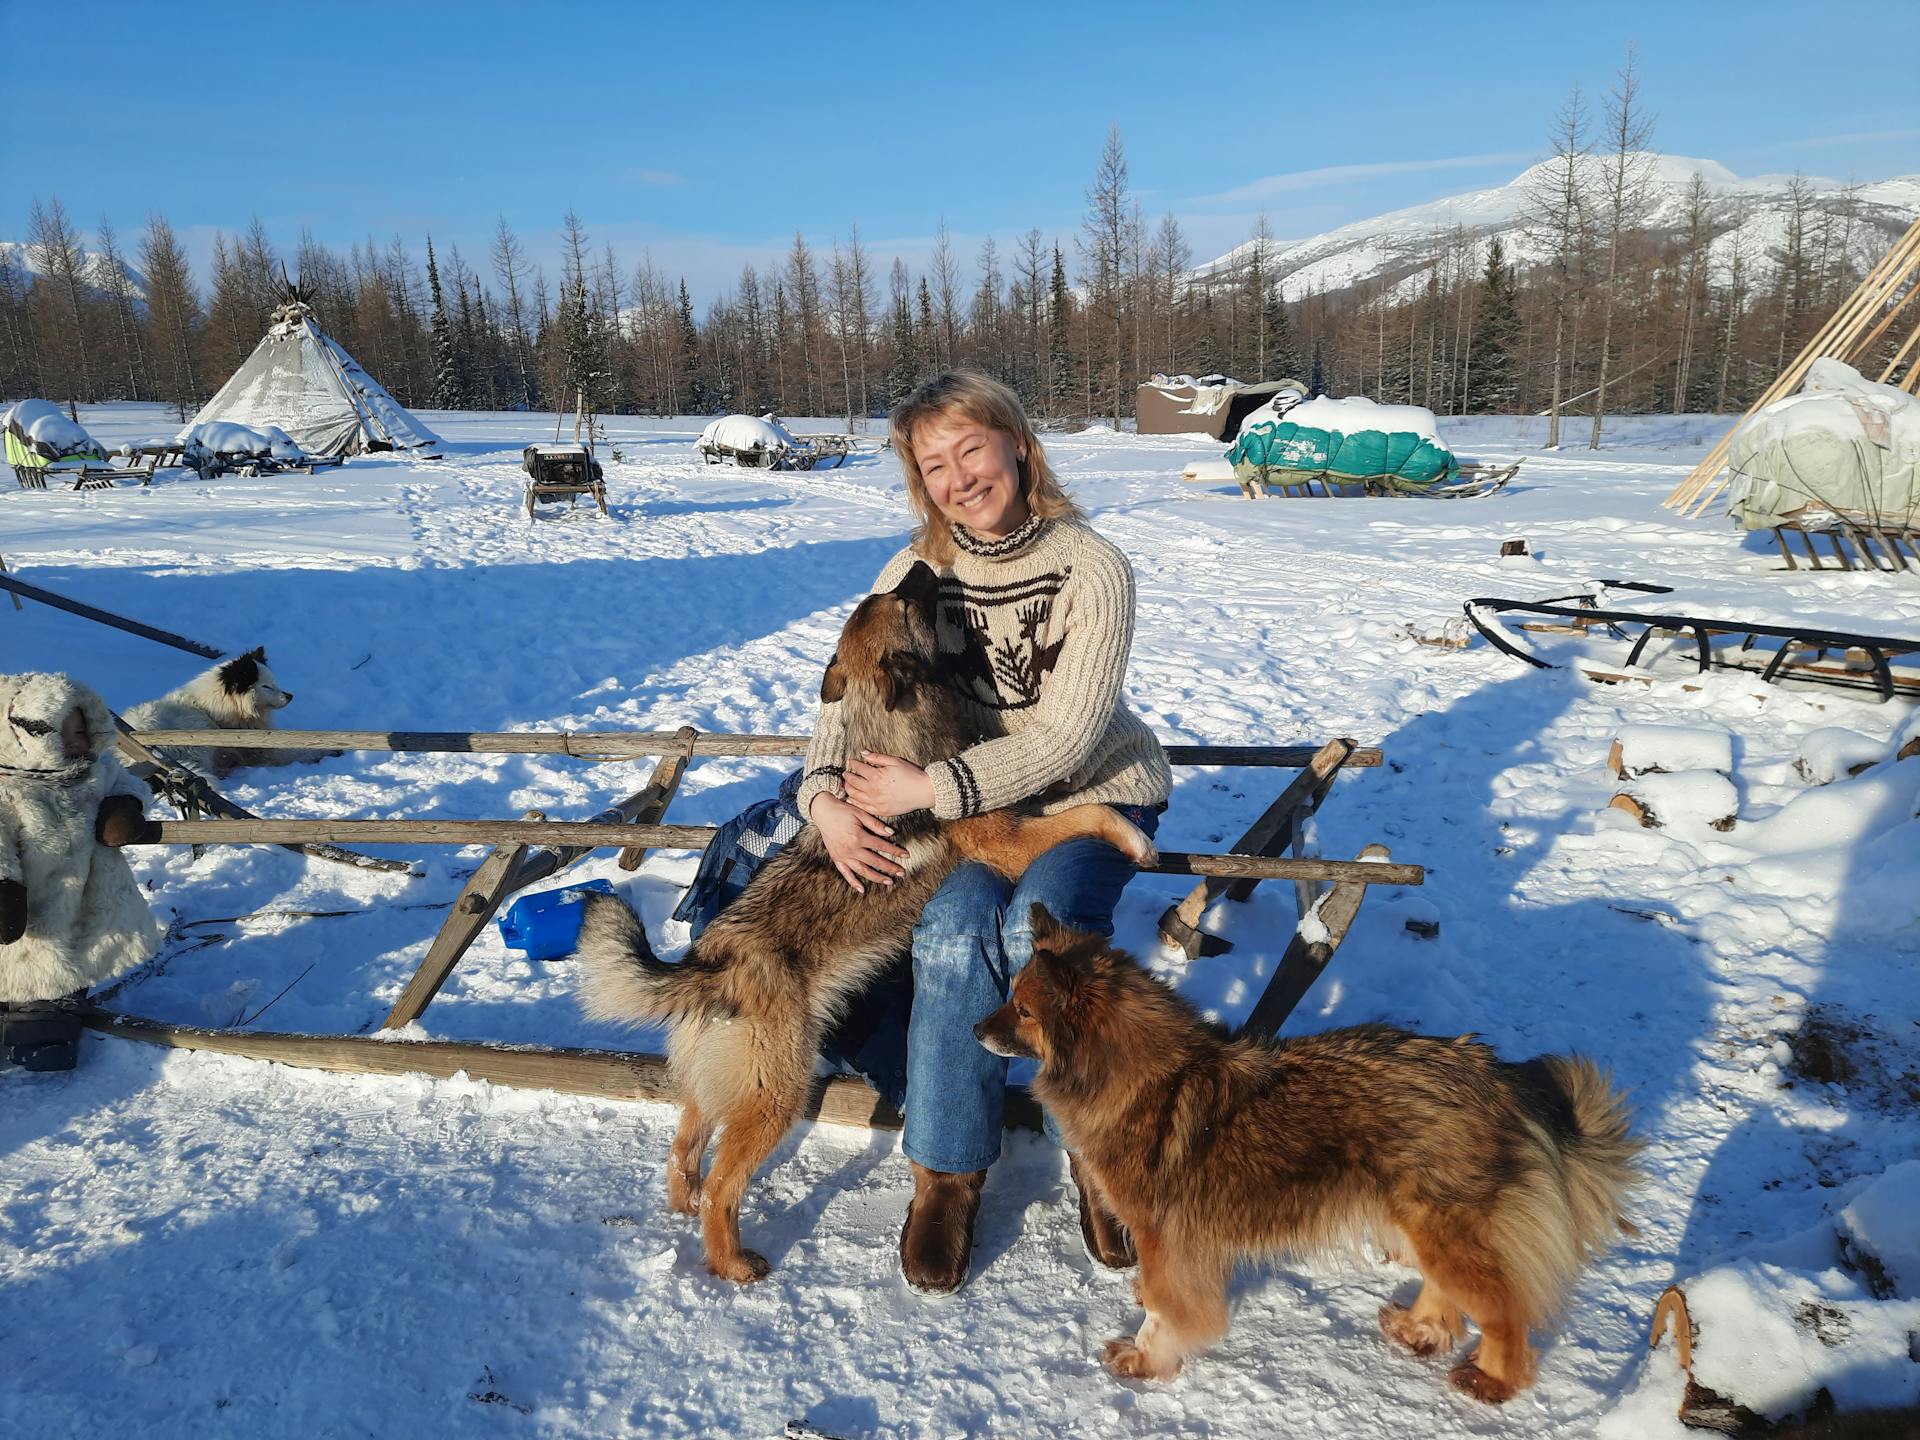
(708, 135)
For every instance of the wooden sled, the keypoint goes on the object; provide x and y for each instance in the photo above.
(1885, 548)
(532, 849)
(562, 472)
(1472, 480)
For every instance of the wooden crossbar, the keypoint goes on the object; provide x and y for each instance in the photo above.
(632, 744)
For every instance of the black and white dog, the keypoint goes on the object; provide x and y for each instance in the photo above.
(236, 694)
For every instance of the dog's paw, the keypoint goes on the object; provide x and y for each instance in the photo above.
(1474, 1381)
(1423, 1337)
(1128, 1361)
(683, 1193)
(743, 1269)
(1138, 847)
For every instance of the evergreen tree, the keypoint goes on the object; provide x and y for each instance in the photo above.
(1492, 387)
(172, 314)
(693, 385)
(448, 393)
(1060, 387)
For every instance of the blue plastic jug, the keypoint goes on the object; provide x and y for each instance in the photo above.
(547, 925)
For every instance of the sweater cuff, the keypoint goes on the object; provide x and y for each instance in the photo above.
(956, 793)
(822, 779)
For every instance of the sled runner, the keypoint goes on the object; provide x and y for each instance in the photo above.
(1776, 653)
(532, 849)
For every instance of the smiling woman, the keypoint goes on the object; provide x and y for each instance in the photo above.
(1035, 622)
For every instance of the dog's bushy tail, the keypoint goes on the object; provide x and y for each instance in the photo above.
(621, 978)
(1599, 1154)
(1568, 1208)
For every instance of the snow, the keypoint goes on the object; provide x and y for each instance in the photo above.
(1688, 802)
(747, 432)
(1882, 1223)
(1833, 751)
(226, 437)
(195, 1244)
(1356, 415)
(1645, 748)
(45, 422)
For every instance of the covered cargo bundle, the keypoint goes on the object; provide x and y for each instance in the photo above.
(1385, 447)
(40, 436)
(1843, 450)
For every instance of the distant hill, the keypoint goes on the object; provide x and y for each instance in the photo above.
(93, 268)
(1397, 247)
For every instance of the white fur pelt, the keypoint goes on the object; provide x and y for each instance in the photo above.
(236, 694)
(86, 918)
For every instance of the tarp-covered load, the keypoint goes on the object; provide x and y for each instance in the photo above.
(300, 380)
(747, 440)
(1211, 405)
(40, 436)
(1842, 450)
(224, 437)
(1390, 447)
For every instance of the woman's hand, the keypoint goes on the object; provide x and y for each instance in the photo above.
(888, 785)
(856, 842)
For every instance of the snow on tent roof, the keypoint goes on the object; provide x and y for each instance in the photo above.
(744, 432)
(301, 380)
(45, 429)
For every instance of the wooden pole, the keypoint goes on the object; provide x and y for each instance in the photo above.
(592, 835)
(11, 595)
(105, 617)
(630, 744)
(1306, 959)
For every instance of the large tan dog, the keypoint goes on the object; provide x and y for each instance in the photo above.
(749, 1003)
(1496, 1180)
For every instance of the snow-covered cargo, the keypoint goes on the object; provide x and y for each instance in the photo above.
(39, 436)
(1844, 448)
(1396, 447)
(747, 440)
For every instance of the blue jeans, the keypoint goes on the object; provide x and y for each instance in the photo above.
(974, 936)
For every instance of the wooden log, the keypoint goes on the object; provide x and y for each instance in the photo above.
(1305, 960)
(591, 835)
(606, 1074)
(626, 745)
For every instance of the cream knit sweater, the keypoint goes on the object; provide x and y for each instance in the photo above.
(1035, 630)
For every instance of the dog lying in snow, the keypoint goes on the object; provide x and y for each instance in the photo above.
(236, 694)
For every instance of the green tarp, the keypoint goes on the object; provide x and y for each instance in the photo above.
(1395, 459)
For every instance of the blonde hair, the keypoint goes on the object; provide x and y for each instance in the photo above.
(985, 401)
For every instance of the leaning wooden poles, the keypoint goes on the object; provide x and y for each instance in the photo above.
(1849, 335)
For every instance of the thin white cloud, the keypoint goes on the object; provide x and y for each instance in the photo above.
(1329, 175)
(1861, 137)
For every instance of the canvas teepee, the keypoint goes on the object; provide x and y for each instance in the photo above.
(299, 378)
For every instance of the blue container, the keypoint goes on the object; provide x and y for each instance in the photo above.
(547, 925)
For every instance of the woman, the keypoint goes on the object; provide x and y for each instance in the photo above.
(1036, 620)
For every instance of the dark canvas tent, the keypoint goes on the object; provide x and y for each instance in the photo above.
(300, 379)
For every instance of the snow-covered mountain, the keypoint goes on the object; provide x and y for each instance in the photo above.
(1396, 247)
(93, 267)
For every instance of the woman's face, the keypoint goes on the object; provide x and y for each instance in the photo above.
(972, 473)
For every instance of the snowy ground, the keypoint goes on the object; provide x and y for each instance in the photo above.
(195, 1245)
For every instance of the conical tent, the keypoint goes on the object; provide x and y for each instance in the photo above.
(300, 379)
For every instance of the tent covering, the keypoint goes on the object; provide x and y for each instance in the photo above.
(299, 379)
(1354, 439)
(1844, 448)
(39, 435)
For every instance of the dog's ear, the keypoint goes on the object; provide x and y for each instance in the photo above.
(259, 653)
(901, 675)
(239, 676)
(834, 683)
(1045, 928)
(1064, 955)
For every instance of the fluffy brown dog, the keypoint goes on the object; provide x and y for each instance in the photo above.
(1497, 1180)
(748, 1005)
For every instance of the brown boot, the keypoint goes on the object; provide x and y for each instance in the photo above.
(1107, 1240)
(936, 1243)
